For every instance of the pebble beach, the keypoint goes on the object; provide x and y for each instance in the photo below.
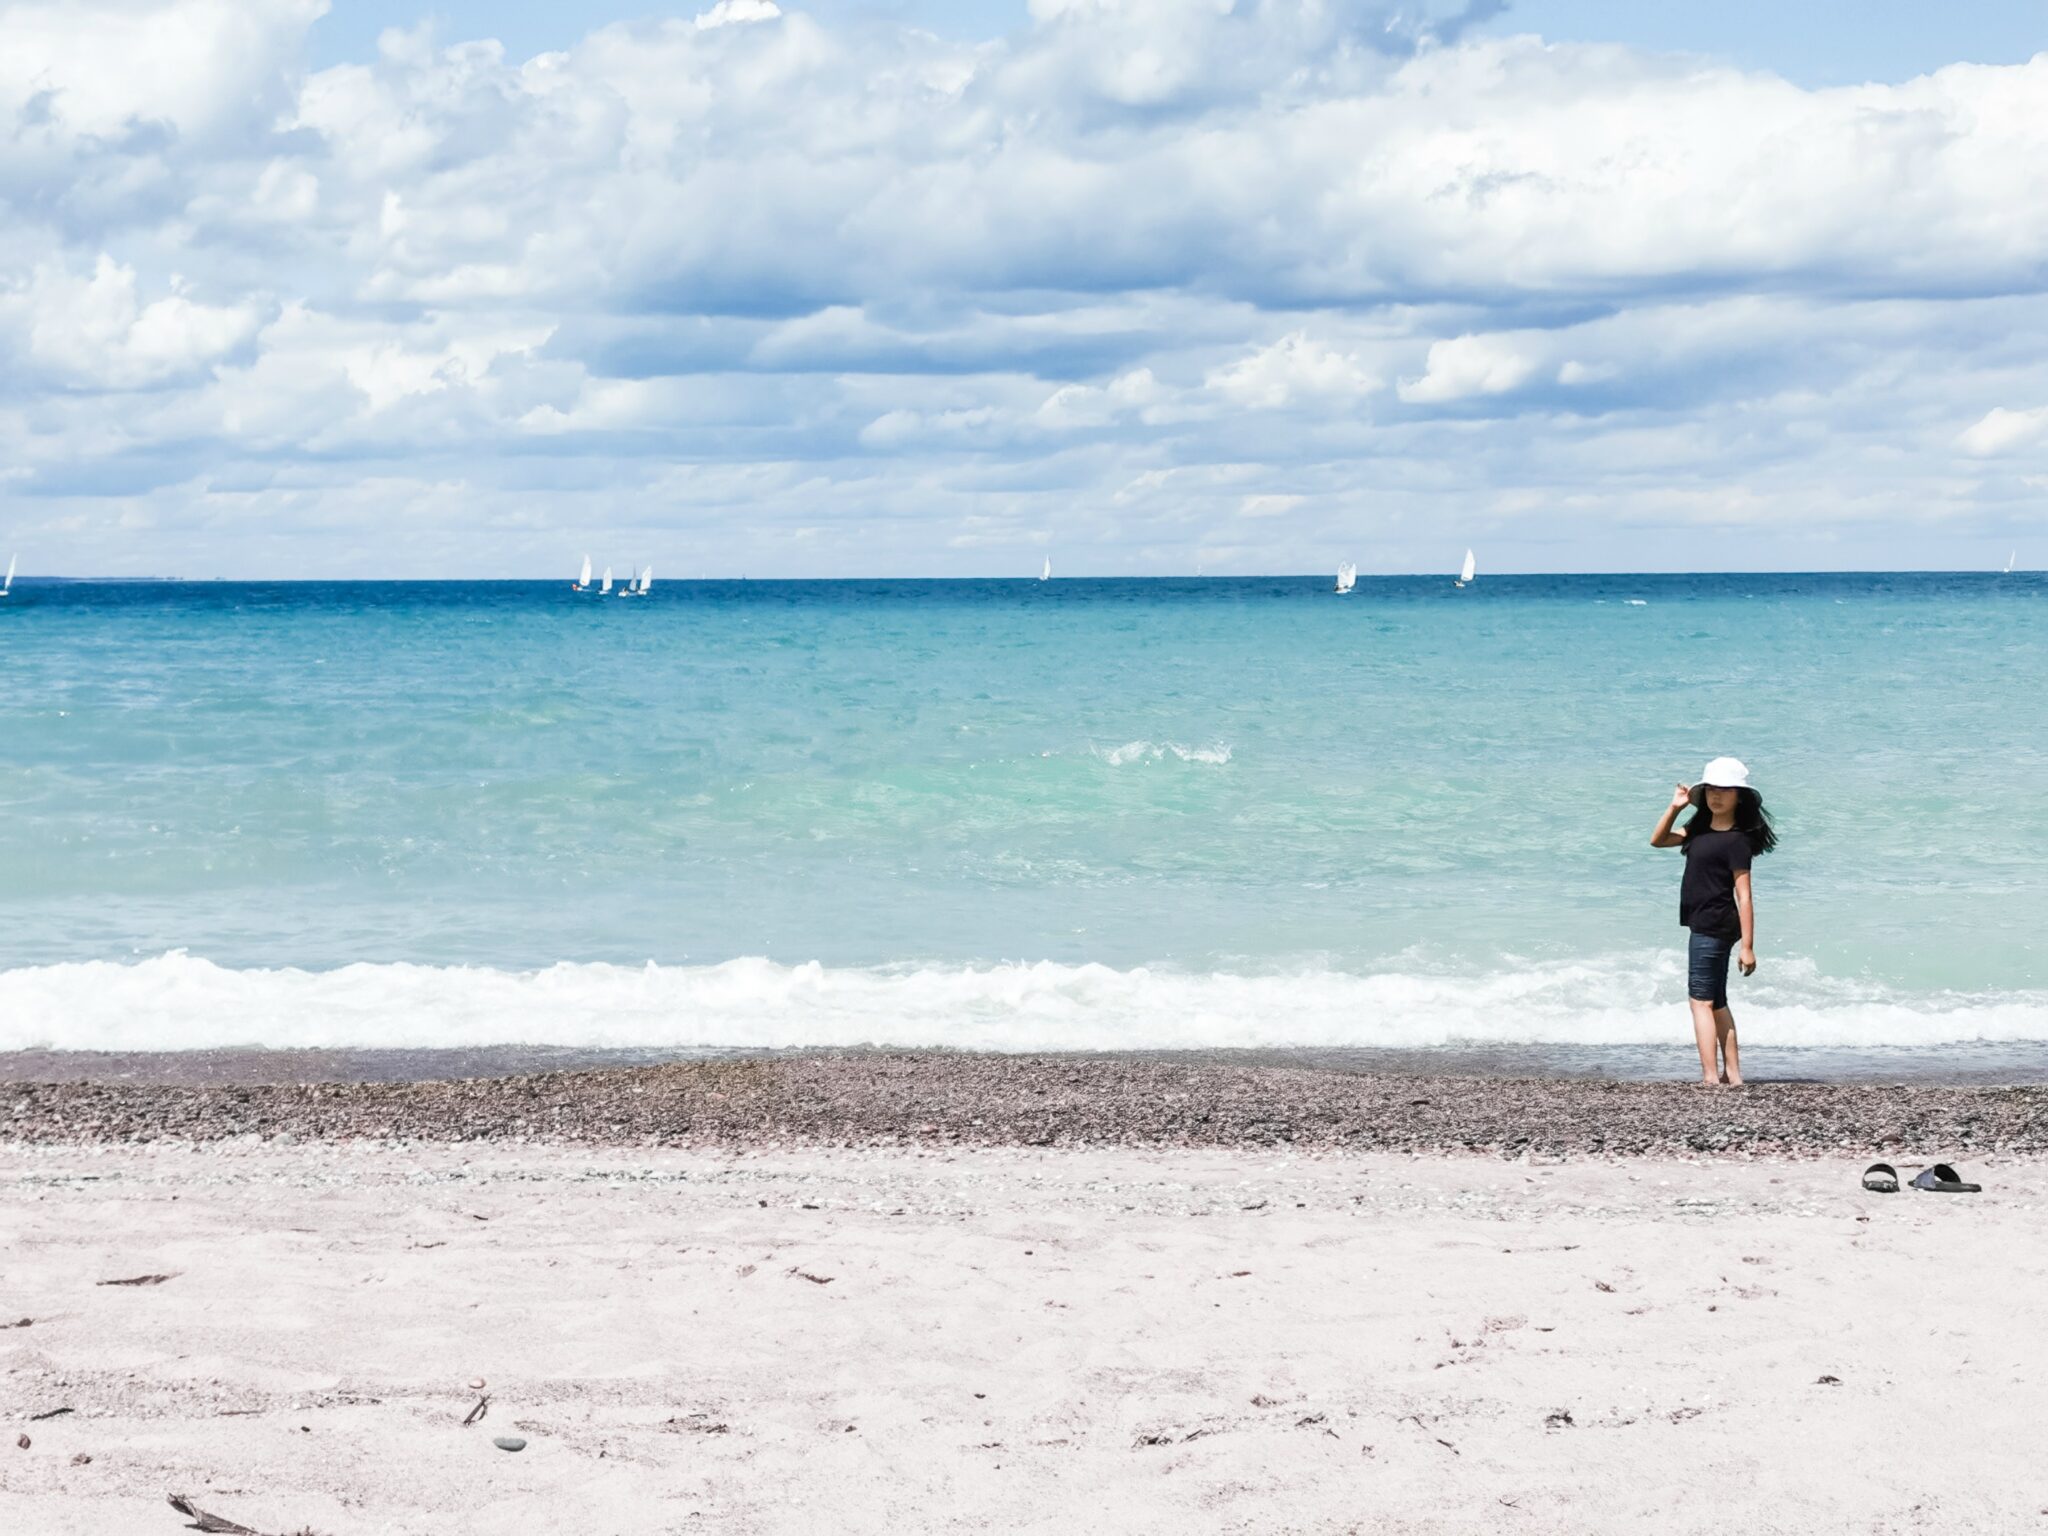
(957, 1099)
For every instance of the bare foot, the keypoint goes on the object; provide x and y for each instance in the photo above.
(1733, 1082)
(1708, 1082)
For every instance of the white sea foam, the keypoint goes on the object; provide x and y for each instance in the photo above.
(182, 1002)
(1152, 752)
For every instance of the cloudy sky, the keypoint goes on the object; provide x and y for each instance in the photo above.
(922, 288)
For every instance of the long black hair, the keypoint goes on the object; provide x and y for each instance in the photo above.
(1751, 819)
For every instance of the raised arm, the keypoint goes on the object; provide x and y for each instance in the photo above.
(1666, 836)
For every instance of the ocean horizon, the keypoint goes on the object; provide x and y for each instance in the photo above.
(1173, 813)
(53, 579)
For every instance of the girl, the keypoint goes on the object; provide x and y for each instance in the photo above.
(1714, 900)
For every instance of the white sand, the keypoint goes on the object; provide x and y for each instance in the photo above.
(1004, 1332)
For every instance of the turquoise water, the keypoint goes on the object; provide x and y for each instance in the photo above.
(1196, 812)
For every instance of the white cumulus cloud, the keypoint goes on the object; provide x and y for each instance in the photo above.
(1292, 369)
(2001, 430)
(107, 68)
(729, 12)
(1470, 365)
(97, 331)
(1136, 274)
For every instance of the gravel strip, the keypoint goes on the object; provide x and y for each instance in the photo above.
(977, 1100)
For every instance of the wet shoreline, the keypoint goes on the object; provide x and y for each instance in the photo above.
(1967, 1064)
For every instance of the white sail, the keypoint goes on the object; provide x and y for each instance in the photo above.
(1470, 566)
(1046, 574)
(646, 580)
(606, 588)
(2008, 564)
(1347, 573)
(7, 586)
(584, 579)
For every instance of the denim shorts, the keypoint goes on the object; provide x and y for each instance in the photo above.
(1706, 968)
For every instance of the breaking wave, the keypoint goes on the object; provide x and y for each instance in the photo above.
(179, 1001)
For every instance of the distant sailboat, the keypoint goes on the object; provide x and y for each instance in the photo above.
(1347, 574)
(606, 589)
(647, 581)
(7, 586)
(583, 581)
(1046, 574)
(2008, 563)
(1465, 576)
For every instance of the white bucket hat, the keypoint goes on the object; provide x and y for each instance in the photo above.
(1725, 773)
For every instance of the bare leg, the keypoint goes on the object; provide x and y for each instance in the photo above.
(1731, 1054)
(1703, 1029)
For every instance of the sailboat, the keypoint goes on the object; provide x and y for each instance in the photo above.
(636, 586)
(1347, 573)
(2008, 563)
(1046, 574)
(606, 589)
(583, 581)
(1465, 576)
(7, 586)
(647, 581)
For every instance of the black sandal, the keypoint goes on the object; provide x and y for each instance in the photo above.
(1943, 1180)
(1881, 1178)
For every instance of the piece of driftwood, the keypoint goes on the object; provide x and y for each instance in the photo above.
(483, 1406)
(140, 1280)
(202, 1521)
(54, 1413)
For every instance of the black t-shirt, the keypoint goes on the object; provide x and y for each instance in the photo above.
(1706, 899)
